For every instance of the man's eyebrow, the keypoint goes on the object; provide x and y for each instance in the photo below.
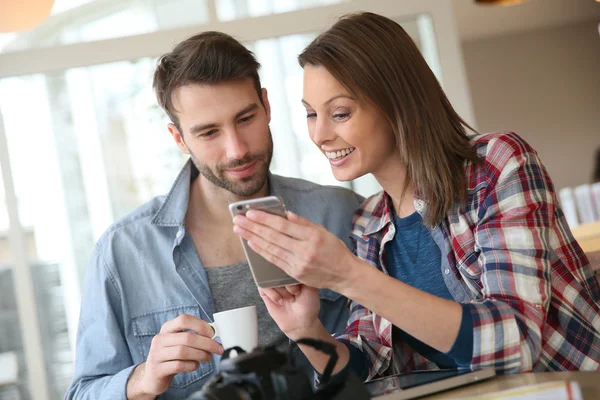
(246, 110)
(202, 127)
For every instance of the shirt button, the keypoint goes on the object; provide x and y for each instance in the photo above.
(447, 271)
(538, 306)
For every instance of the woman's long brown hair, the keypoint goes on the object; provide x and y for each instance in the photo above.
(377, 61)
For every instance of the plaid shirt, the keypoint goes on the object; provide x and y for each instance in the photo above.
(511, 259)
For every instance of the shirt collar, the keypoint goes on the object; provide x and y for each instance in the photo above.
(173, 210)
(381, 215)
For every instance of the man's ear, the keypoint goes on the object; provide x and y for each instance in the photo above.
(265, 100)
(178, 137)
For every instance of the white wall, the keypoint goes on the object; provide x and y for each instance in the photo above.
(544, 85)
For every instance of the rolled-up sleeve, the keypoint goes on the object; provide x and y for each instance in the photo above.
(363, 337)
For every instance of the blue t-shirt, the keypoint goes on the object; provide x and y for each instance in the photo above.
(414, 258)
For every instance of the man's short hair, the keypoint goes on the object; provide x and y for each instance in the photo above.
(207, 58)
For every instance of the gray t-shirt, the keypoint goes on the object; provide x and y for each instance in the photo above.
(233, 287)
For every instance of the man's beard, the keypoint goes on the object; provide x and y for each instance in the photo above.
(244, 187)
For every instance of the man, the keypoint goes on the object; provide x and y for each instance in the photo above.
(157, 276)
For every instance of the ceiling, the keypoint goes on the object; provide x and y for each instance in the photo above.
(481, 21)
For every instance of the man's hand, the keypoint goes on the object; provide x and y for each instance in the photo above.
(295, 309)
(180, 346)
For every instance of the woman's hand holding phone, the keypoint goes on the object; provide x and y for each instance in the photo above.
(304, 250)
(311, 255)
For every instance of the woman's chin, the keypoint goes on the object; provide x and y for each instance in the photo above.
(344, 176)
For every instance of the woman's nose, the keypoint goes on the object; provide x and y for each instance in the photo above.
(321, 132)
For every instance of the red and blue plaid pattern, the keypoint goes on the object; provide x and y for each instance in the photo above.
(534, 298)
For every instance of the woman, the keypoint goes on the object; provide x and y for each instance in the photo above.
(464, 259)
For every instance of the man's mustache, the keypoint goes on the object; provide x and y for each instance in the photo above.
(249, 159)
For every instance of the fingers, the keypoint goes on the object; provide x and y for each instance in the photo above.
(251, 230)
(188, 339)
(298, 228)
(292, 234)
(176, 366)
(277, 295)
(270, 296)
(294, 289)
(187, 322)
(284, 294)
(181, 353)
(172, 353)
(180, 346)
(295, 218)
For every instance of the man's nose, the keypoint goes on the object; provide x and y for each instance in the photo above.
(237, 147)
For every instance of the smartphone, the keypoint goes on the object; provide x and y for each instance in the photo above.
(266, 274)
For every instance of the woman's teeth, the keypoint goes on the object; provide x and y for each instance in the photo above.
(339, 154)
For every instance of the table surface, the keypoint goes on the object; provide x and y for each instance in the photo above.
(588, 381)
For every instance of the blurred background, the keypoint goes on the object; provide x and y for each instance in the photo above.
(83, 142)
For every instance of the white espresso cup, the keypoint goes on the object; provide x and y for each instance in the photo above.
(237, 327)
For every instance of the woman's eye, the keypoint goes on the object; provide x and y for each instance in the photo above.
(341, 116)
(311, 115)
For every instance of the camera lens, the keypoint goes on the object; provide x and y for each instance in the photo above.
(239, 207)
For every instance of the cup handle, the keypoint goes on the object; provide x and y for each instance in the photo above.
(214, 326)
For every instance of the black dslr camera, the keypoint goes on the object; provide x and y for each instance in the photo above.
(268, 374)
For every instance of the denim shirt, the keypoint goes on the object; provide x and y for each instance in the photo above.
(145, 271)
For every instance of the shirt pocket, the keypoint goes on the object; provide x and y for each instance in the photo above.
(148, 325)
